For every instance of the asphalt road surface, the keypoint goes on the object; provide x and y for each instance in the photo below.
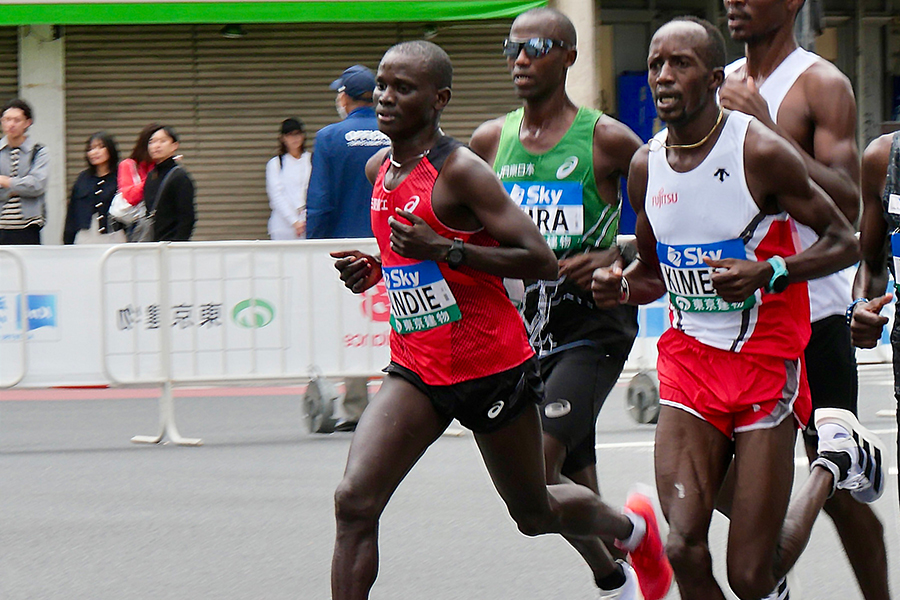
(84, 513)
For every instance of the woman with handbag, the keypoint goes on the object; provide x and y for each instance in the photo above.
(287, 178)
(126, 207)
(92, 193)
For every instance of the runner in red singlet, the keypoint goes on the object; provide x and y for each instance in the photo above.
(448, 233)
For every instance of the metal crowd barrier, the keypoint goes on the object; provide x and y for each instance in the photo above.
(10, 261)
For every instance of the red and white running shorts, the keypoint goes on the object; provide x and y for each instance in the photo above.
(732, 391)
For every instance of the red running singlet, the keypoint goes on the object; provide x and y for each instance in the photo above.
(448, 326)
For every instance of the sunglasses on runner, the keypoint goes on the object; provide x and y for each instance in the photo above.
(534, 47)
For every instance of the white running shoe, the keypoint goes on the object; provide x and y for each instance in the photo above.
(631, 590)
(850, 442)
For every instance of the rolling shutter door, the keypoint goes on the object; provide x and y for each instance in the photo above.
(9, 63)
(227, 97)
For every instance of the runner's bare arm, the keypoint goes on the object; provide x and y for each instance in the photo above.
(777, 179)
(486, 139)
(834, 162)
(468, 196)
(871, 278)
(614, 147)
(644, 278)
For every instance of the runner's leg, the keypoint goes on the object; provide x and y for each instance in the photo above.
(576, 384)
(862, 535)
(514, 458)
(392, 434)
(763, 475)
(833, 383)
(691, 459)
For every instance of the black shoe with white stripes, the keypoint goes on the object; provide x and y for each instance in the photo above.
(852, 453)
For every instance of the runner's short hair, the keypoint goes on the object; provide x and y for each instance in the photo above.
(565, 27)
(713, 54)
(433, 56)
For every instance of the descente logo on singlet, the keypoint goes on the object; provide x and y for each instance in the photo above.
(555, 207)
(689, 280)
(420, 297)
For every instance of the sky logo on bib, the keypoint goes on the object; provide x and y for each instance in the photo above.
(555, 207)
(674, 256)
(688, 278)
(567, 167)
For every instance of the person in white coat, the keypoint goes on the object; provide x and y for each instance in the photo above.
(287, 177)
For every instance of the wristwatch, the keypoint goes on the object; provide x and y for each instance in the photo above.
(779, 281)
(456, 255)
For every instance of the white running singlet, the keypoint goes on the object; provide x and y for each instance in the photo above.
(709, 212)
(829, 295)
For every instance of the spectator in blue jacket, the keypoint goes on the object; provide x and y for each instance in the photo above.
(339, 194)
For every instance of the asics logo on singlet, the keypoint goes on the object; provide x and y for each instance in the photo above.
(567, 167)
(555, 410)
(495, 409)
(662, 198)
(674, 256)
(412, 204)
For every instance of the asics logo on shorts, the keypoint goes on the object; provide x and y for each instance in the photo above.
(555, 410)
(494, 411)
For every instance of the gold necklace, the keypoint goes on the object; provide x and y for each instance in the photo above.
(695, 144)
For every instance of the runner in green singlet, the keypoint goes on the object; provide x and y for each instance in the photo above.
(562, 165)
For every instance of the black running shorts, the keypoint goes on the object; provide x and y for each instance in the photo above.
(831, 369)
(576, 384)
(485, 404)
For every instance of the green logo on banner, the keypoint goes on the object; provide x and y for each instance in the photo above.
(253, 313)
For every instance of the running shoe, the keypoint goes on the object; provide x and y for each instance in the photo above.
(630, 590)
(648, 558)
(854, 455)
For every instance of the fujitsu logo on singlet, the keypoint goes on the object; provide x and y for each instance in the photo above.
(661, 198)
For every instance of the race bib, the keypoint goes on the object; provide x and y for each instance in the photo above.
(689, 280)
(894, 204)
(555, 207)
(420, 297)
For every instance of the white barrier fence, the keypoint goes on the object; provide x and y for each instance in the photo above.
(203, 312)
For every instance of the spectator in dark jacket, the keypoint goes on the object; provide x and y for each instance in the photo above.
(94, 188)
(169, 189)
(339, 194)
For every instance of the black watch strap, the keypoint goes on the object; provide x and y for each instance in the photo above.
(456, 255)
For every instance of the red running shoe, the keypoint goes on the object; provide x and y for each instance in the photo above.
(649, 557)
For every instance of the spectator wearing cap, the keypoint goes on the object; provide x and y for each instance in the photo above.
(287, 177)
(339, 195)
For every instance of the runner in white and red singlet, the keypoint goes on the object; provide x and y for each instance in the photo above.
(717, 195)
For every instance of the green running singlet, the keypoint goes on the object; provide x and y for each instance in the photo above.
(557, 188)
